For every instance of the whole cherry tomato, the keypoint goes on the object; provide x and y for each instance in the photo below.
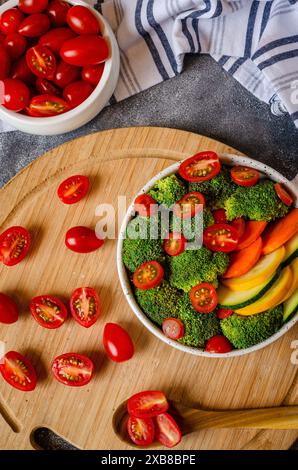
(44, 87)
(16, 94)
(34, 25)
(41, 61)
(85, 306)
(14, 245)
(93, 73)
(46, 106)
(117, 343)
(18, 371)
(77, 92)
(9, 312)
(82, 240)
(73, 369)
(82, 20)
(10, 20)
(21, 71)
(218, 344)
(32, 6)
(88, 49)
(65, 74)
(4, 62)
(15, 45)
(55, 38)
(57, 12)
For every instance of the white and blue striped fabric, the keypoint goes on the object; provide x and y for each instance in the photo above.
(255, 41)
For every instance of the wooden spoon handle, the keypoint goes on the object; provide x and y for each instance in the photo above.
(267, 418)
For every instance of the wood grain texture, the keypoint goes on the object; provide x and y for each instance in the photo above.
(118, 162)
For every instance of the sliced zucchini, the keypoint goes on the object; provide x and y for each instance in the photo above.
(273, 297)
(291, 248)
(230, 299)
(291, 306)
(264, 269)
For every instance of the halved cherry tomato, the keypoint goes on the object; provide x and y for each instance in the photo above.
(218, 344)
(45, 87)
(16, 94)
(82, 240)
(41, 61)
(14, 245)
(73, 189)
(244, 176)
(9, 312)
(148, 275)
(2, 38)
(21, 71)
(141, 431)
(220, 216)
(65, 74)
(88, 49)
(47, 105)
(173, 328)
(174, 244)
(201, 167)
(221, 237)
(10, 20)
(18, 371)
(93, 73)
(167, 430)
(145, 205)
(48, 311)
(203, 297)
(189, 205)
(239, 225)
(73, 369)
(147, 404)
(117, 343)
(15, 45)
(77, 92)
(85, 306)
(57, 12)
(222, 313)
(55, 38)
(34, 25)
(82, 20)
(32, 6)
(253, 230)
(4, 62)
(283, 194)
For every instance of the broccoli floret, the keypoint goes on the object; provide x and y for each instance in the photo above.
(259, 202)
(199, 327)
(168, 190)
(245, 331)
(159, 303)
(208, 218)
(136, 252)
(218, 189)
(195, 266)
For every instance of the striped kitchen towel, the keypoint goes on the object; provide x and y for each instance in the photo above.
(255, 41)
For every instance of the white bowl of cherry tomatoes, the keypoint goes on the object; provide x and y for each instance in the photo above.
(59, 65)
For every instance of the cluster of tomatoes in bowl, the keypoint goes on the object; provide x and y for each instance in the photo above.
(50, 312)
(52, 57)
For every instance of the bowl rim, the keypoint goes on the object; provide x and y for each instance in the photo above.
(15, 118)
(227, 158)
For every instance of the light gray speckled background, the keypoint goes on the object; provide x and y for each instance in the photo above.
(203, 99)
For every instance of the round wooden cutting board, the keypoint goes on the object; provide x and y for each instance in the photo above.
(118, 162)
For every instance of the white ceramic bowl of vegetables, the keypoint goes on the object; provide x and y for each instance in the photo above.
(256, 285)
(77, 115)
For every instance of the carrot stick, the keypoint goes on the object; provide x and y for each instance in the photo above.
(280, 232)
(253, 230)
(244, 260)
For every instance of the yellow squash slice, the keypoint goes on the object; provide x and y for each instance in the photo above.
(264, 268)
(273, 296)
(294, 286)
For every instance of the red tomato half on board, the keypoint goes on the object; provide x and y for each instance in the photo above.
(48, 311)
(201, 167)
(14, 245)
(72, 369)
(117, 343)
(82, 240)
(73, 189)
(85, 306)
(167, 430)
(141, 431)
(147, 404)
(9, 312)
(18, 371)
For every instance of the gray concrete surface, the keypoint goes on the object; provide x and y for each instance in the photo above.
(203, 99)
